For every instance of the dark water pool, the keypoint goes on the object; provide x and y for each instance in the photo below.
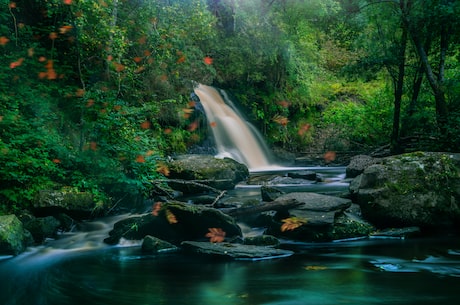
(425, 271)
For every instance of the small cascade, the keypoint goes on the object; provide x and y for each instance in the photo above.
(234, 137)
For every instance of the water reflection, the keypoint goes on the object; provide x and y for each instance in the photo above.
(360, 272)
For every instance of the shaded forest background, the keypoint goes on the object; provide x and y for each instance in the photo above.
(95, 94)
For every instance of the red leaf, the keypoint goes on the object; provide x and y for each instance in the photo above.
(216, 235)
(208, 60)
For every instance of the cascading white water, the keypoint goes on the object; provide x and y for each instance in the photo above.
(234, 137)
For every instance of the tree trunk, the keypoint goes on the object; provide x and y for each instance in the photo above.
(435, 83)
(399, 88)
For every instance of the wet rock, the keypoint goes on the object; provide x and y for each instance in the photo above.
(174, 222)
(262, 240)
(396, 233)
(358, 164)
(417, 189)
(13, 237)
(79, 205)
(235, 251)
(317, 202)
(151, 244)
(270, 193)
(222, 174)
(307, 175)
(42, 228)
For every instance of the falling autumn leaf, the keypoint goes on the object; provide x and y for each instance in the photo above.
(292, 223)
(140, 159)
(216, 235)
(303, 129)
(145, 125)
(163, 169)
(315, 268)
(167, 130)
(171, 217)
(156, 208)
(281, 120)
(3, 40)
(53, 35)
(137, 59)
(191, 104)
(192, 126)
(208, 60)
(329, 156)
(67, 2)
(56, 161)
(213, 124)
(12, 5)
(181, 59)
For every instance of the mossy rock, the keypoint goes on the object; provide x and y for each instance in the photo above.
(417, 189)
(13, 237)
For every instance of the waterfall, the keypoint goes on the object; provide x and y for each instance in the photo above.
(234, 137)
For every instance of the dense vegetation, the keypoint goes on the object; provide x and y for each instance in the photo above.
(94, 94)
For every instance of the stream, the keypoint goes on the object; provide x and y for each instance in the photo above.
(77, 268)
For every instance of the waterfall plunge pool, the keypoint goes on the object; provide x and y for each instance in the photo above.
(79, 269)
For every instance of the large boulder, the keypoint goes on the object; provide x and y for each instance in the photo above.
(358, 164)
(318, 218)
(13, 237)
(175, 222)
(222, 174)
(79, 205)
(416, 189)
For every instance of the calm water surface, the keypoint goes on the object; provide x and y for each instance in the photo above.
(79, 269)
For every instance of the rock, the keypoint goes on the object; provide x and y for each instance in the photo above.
(175, 222)
(42, 228)
(358, 164)
(317, 202)
(152, 244)
(270, 193)
(235, 251)
(13, 237)
(416, 189)
(78, 205)
(222, 174)
(262, 240)
(396, 233)
(307, 175)
(348, 225)
(317, 213)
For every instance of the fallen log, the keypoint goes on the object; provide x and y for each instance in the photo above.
(277, 205)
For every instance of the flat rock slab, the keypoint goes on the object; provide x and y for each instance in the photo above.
(318, 202)
(236, 251)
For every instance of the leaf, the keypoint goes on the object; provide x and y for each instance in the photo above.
(329, 156)
(156, 208)
(163, 169)
(216, 235)
(171, 217)
(303, 129)
(315, 268)
(292, 223)
(140, 159)
(281, 120)
(3, 40)
(208, 60)
(145, 125)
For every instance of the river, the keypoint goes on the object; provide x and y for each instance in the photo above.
(78, 268)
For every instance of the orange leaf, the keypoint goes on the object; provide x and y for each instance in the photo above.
(3, 40)
(140, 159)
(156, 208)
(137, 59)
(57, 161)
(145, 125)
(303, 129)
(119, 67)
(284, 104)
(167, 131)
(329, 156)
(67, 2)
(193, 126)
(208, 60)
(53, 35)
(163, 169)
(292, 223)
(213, 124)
(281, 120)
(171, 217)
(216, 235)
(181, 59)
(12, 5)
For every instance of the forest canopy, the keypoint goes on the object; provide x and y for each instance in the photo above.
(95, 94)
